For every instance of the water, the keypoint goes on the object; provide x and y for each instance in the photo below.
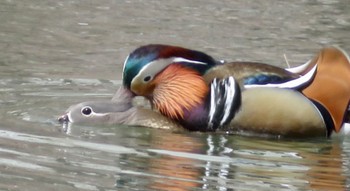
(57, 53)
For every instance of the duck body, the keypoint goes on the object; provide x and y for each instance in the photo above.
(272, 110)
(326, 90)
(177, 81)
(279, 111)
(280, 117)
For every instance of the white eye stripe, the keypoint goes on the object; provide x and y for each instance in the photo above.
(99, 114)
(154, 67)
(179, 59)
(91, 114)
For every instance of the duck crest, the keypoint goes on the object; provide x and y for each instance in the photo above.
(147, 55)
(197, 60)
(178, 89)
(137, 60)
(331, 84)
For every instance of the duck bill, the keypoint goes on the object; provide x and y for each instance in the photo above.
(66, 123)
(63, 119)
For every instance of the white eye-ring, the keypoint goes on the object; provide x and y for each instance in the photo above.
(87, 111)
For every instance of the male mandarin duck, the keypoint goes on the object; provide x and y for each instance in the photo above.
(189, 94)
(199, 93)
(171, 78)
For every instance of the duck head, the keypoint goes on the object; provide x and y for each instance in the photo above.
(99, 112)
(145, 62)
(94, 112)
(115, 112)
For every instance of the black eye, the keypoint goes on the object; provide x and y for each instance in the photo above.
(147, 78)
(86, 110)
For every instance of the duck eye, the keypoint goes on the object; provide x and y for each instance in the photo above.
(147, 78)
(86, 110)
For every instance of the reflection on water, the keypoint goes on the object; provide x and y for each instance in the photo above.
(57, 53)
(156, 159)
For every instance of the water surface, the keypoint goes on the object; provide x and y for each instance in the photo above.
(57, 53)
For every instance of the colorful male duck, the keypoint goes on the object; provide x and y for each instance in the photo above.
(189, 95)
(193, 89)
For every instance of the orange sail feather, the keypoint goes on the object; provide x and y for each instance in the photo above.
(331, 84)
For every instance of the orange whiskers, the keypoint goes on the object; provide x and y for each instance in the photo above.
(178, 88)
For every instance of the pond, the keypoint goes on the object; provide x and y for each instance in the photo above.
(58, 53)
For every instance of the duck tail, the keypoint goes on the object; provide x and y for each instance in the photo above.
(331, 84)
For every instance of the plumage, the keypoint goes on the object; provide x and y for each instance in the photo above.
(328, 91)
(133, 116)
(151, 59)
(255, 75)
(191, 89)
(225, 98)
(278, 111)
(247, 73)
(331, 84)
(118, 111)
(171, 95)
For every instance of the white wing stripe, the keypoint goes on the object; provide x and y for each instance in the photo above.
(290, 84)
(212, 103)
(300, 68)
(231, 92)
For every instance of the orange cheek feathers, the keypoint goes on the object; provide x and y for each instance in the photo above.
(178, 89)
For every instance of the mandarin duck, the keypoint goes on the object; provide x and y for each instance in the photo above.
(204, 95)
(291, 113)
(111, 112)
(171, 78)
